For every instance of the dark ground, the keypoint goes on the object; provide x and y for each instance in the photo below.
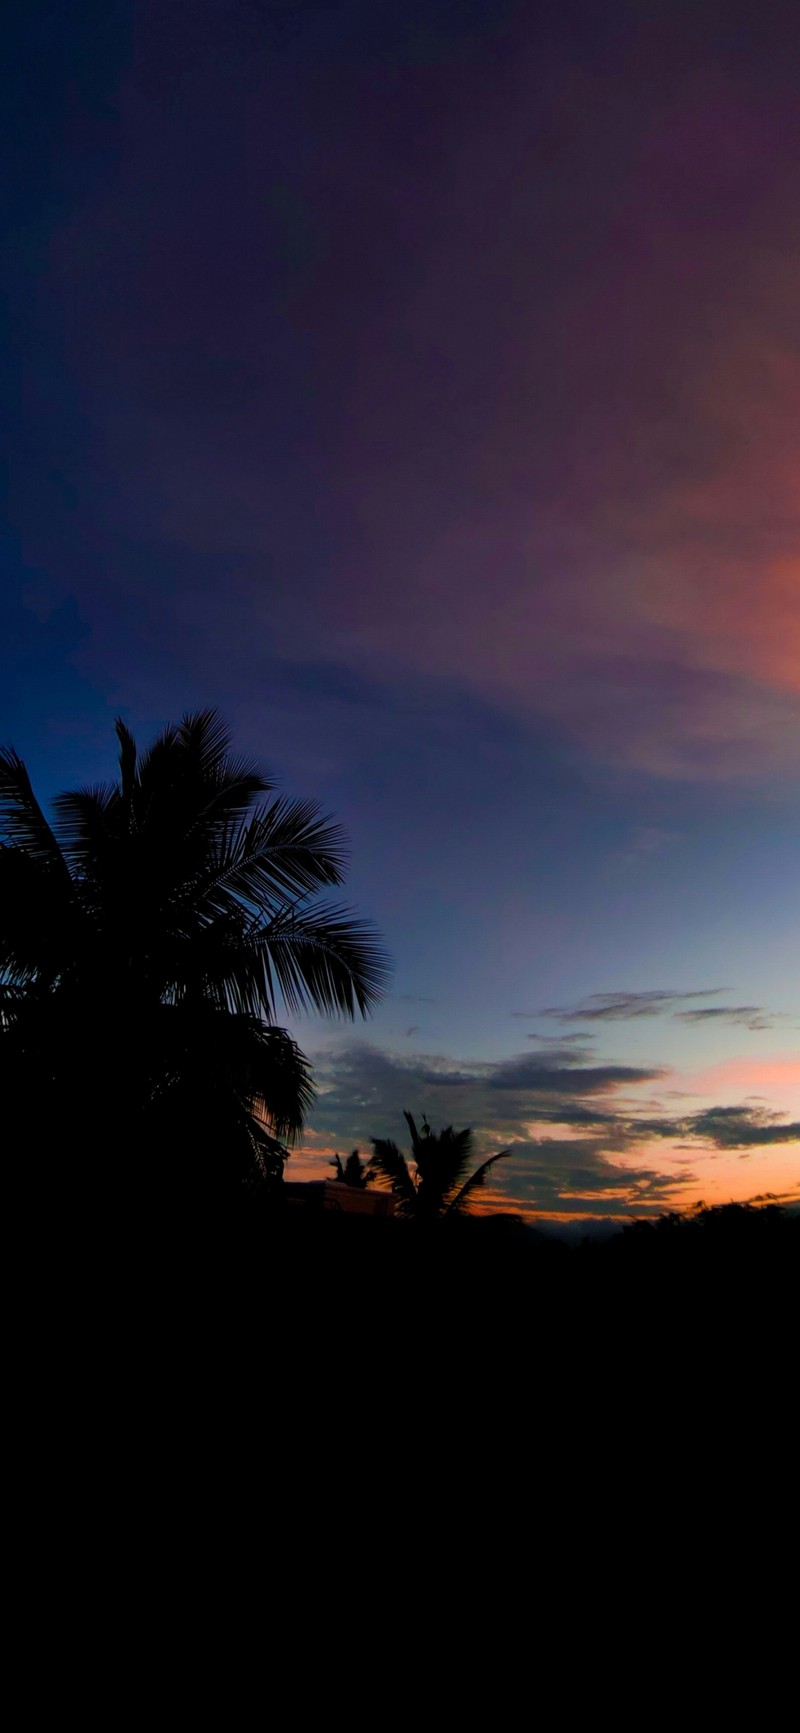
(323, 1426)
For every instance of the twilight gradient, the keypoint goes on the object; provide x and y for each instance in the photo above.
(421, 383)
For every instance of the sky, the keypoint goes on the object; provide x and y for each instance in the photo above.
(418, 381)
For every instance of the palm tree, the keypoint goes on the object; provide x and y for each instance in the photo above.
(438, 1185)
(353, 1172)
(147, 939)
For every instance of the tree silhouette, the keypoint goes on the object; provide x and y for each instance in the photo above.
(147, 940)
(438, 1185)
(354, 1172)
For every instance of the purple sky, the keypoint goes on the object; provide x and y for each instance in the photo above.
(420, 383)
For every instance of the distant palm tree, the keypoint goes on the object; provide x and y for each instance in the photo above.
(147, 939)
(439, 1184)
(354, 1172)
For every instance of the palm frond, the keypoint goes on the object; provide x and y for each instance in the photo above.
(22, 822)
(203, 736)
(322, 959)
(38, 917)
(13, 996)
(416, 1140)
(269, 1155)
(147, 937)
(475, 1181)
(213, 1055)
(443, 1158)
(82, 822)
(204, 748)
(356, 1171)
(192, 793)
(127, 760)
(158, 759)
(286, 851)
(281, 1088)
(195, 747)
(389, 1167)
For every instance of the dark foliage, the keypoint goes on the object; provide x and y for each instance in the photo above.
(147, 941)
(353, 1172)
(439, 1184)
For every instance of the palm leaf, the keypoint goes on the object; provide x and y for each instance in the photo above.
(443, 1159)
(416, 1140)
(202, 749)
(281, 1084)
(356, 1171)
(38, 918)
(146, 939)
(203, 737)
(83, 823)
(389, 1167)
(323, 959)
(127, 760)
(474, 1183)
(208, 1054)
(22, 822)
(286, 851)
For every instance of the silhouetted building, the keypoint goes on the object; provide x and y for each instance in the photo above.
(333, 1195)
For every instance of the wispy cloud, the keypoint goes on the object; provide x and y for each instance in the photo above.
(738, 1016)
(534, 1016)
(541, 1074)
(647, 843)
(623, 1006)
(567, 1049)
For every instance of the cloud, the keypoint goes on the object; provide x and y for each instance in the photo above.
(742, 1127)
(727, 1127)
(580, 1178)
(580, 1041)
(579, 1116)
(562, 1051)
(593, 1150)
(362, 1090)
(738, 1016)
(622, 1007)
(539, 1075)
(533, 1017)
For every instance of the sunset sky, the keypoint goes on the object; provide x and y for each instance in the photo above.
(419, 381)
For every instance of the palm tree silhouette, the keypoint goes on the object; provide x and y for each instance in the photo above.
(438, 1185)
(353, 1172)
(147, 939)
